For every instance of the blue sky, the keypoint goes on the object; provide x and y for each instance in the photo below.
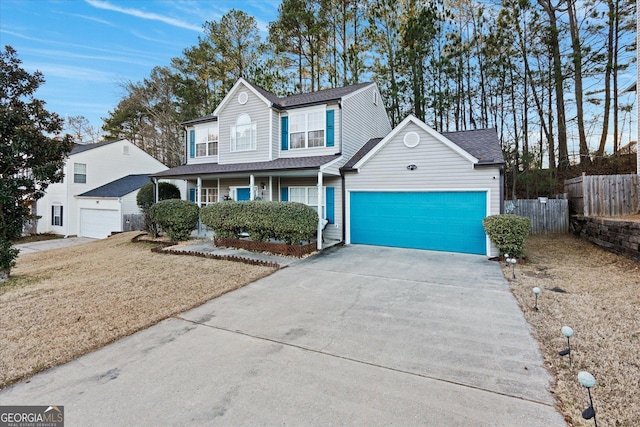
(85, 48)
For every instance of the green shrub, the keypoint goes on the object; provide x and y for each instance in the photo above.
(176, 217)
(508, 233)
(145, 199)
(287, 221)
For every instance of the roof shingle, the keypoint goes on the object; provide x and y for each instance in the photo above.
(273, 165)
(119, 187)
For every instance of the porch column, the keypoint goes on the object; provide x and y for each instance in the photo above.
(199, 192)
(252, 184)
(156, 195)
(199, 202)
(319, 242)
(270, 188)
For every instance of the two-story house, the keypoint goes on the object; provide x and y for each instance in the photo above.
(258, 146)
(335, 151)
(100, 185)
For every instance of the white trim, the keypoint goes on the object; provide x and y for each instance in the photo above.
(347, 202)
(229, 96)
(271, 134)
(412, 119)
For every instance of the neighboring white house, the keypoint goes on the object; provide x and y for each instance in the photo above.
(90, 200)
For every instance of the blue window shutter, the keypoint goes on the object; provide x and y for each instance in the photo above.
(330, 127)
(192, 195)
(285, 132)
(284, 194)
(192, 143)
(61, 215)
(331, 207)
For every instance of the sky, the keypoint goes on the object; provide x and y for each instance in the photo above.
(87, 48)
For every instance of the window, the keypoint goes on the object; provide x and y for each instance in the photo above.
(306, 129)
(207, 142)
(243, 134)
(305, 195)
(80, 173)
(208, 196)
(56, 215)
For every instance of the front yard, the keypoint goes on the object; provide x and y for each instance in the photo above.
(63, 303)
(596, 293)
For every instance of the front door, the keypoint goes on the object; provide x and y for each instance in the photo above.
(243, 194)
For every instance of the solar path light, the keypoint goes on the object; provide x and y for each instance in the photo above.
(588, 381)
(513, 262)
(567, 332)
(536, 292)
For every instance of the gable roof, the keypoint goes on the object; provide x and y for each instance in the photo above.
(320, 96)
(119, 187)
(80, 148)
(368, 146)
(279, 164)
(292, 101)
(481, 146)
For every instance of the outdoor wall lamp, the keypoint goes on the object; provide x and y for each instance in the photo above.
(567, 332)
(536, 292)
(588, 381)
(412, 167)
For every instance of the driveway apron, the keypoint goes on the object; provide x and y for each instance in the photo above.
(359, 335)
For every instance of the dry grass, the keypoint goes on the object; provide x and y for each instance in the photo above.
(63, 303)
(602, 305)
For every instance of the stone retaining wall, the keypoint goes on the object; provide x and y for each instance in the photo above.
(618, 236)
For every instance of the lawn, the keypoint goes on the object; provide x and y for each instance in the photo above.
(66, 302)
(596, 293)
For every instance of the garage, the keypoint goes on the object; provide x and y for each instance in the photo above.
(440, 221)
(99, 223)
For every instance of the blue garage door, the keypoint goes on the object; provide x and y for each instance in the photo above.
(439, 221)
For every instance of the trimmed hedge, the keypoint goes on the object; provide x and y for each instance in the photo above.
(508, 232)
(176, 217)
(287, 221)
(145, 199)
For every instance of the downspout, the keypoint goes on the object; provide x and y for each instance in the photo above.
(501, 189)
(67, 201)
(344, 207)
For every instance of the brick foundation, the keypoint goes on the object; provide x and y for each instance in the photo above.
(618, 236)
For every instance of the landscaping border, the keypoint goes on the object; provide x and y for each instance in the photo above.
(162, 248)
(618, 236)
(274, 248)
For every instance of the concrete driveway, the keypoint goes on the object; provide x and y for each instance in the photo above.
(45, 245)
(359, 335)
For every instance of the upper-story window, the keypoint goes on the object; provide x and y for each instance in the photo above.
(243, 134)
(307, 129)
(80, 173)
(207, 141)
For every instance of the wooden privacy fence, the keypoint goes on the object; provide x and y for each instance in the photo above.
(132, 222)
(546, 215)
(603, 195)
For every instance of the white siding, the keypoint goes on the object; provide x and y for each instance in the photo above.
(362, 120)
(130, 204)
(259, 113)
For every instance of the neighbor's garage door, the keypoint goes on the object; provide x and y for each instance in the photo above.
(98, 223)
(440, 221)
